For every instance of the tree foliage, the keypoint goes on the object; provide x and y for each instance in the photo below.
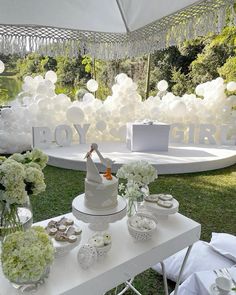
(193, 62)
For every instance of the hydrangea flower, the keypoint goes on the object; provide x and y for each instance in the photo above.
(140, 172)
(26, 255)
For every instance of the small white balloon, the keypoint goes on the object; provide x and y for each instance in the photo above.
(101, 125)
(2, 67)
(162, 85)
(178, 108)
(231, 86)
(88, 97)
(199, 90)
(120, 78)
(75, 115)
(28, 80)
(92, 85)
(52, 76)
(38, 79)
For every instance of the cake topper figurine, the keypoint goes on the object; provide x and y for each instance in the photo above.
(105, 161)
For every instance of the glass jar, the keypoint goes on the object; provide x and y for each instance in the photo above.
(133, 205)
(15, 217)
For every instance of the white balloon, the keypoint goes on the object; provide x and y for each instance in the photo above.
(178, 108)
(28, 80)
(88, 97)
(26, 100)
(52, 76)
(114, 132)
(92, 85)
(38, 97)
(162, 85)
(75, 115)
(6, 113)
(122, 132)
(2, 67)
(49, 84)
(101, 125)
(43, 104)
(231, 86)
(38, 79)
(42, 88)
(128, 82)
(199, 90)
(120, 78)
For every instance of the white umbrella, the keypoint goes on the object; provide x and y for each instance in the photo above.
(105, 28)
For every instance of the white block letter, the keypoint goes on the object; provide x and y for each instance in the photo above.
(207, 132)
(63, 135)
(42, 137)
(224, 131)
(177, 135)
(191, 133)
(82, 131)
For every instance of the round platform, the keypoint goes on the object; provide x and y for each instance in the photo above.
(179, 159)
(98, 219)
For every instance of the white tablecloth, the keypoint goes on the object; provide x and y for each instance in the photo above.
(200, 282)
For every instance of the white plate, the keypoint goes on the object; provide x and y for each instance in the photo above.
(215, 291)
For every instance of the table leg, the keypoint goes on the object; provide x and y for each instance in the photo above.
(182, 269)
(164, 278)
(129, 286)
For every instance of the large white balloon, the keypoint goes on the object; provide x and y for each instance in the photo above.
(51, 76)
(92, 85)
(75, 115)
(2, 67)
(162, 85)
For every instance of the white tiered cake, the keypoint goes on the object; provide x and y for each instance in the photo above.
(101, 191)
(102, 195)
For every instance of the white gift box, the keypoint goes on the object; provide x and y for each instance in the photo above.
(142, 137)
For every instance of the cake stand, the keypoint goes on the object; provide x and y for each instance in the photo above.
(98, 219)
(158, 211)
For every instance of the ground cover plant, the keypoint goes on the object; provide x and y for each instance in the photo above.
(207, 197)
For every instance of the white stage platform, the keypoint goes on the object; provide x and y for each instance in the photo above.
(179, 159)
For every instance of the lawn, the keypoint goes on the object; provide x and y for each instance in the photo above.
(208, 197)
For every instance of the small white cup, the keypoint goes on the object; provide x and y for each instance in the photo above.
(224, 285)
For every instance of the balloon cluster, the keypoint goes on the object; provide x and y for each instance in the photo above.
(39, 105)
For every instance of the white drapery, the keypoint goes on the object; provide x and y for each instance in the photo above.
(107, 29)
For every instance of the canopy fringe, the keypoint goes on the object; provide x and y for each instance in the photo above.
(197, 20)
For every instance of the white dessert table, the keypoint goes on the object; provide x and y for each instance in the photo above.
(126, 259)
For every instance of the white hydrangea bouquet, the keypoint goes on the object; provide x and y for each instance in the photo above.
(138, 175)
(27, 256)
(20, 176)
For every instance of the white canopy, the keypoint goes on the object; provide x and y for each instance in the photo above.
(105, 28)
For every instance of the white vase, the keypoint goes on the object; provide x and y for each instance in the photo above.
(24, 286)
(133, 205)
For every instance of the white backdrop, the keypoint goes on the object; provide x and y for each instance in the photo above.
(38, 105)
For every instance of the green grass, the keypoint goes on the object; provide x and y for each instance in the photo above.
(208, 197)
